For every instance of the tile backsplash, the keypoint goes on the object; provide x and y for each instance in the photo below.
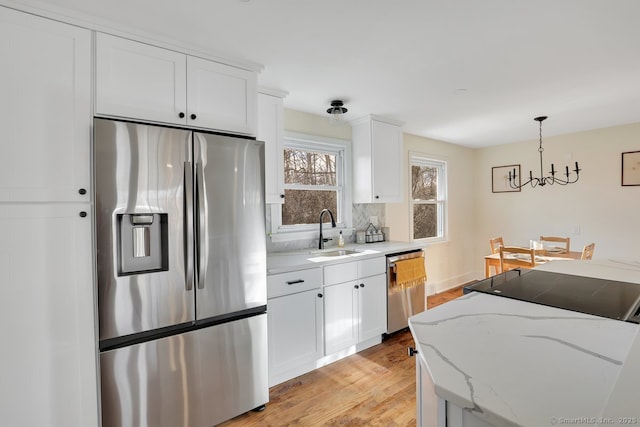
(361, 215)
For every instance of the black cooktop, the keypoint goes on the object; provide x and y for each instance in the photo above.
(600, 297)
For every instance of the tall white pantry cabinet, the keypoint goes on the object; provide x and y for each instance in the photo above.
(48, 357)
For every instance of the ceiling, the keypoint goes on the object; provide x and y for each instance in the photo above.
(469, 72)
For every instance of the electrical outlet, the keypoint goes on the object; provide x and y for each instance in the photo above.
(575, 229)
(373, 220)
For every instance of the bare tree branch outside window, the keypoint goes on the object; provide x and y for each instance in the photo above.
(310, 185)
(425, 201)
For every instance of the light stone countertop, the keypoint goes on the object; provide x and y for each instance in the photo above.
(514, 363)
(282, 262)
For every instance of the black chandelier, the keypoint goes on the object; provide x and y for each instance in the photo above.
(544, 180)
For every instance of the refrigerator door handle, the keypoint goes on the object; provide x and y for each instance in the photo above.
(202, 223)
(188, 225)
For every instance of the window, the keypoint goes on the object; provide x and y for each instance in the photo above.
(428, 198)
(314, 179)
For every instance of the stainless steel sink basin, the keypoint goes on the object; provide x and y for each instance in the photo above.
(339, 252)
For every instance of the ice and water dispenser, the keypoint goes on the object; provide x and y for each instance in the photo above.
(142, 243)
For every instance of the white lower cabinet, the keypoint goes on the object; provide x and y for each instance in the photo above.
(295, 319)
(322, 314)
(48, 360)
(355, 303)
(341, 316)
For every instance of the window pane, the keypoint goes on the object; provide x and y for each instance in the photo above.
(309, 168)
(425, 221)
(424, 182)
(304, 206)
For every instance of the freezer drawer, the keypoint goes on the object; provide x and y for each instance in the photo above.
(198, 378)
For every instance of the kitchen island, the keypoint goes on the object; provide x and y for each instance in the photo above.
(485, 360)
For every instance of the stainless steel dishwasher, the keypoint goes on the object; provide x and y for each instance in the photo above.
(401, 304)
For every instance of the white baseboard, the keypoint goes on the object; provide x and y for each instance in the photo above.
(450, 283)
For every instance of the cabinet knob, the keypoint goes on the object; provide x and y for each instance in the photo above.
(181, 115)
(83, 214)
(282, 196)
(362, 285)
(82, 191)
(356, 286)
(412, 351)
(377, 197)
(319, 295)
(193, 117)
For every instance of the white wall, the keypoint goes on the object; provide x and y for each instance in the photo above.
(452, 262)
(595, 209)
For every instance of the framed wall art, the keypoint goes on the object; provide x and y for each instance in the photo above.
(630, 168)
(500, 178)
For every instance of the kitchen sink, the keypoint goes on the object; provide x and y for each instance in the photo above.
(339, 252)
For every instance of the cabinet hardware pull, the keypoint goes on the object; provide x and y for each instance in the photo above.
(282, 196)
(356, 286)
(83, 214)
(412, 351)
(181, 115)
(377, 197)
(319, 295)
(362, 285)
(293, 282)
(193, 117)
(82, 191)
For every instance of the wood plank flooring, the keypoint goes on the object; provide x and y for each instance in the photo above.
(375, 387)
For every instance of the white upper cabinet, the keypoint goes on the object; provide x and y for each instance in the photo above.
(221, 97)
(140, 81)
(270, 130)
(377, 160)
(45, 112)
(136, 80)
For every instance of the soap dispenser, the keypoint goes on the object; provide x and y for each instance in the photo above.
(340, 240)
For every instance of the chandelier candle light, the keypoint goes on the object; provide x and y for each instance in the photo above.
(544, 180)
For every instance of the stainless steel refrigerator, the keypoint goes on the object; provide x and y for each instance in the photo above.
(181, 264)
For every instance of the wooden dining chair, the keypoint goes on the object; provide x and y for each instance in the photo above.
(565, 240)
(513, 257)
(495, 244)
(587, 251)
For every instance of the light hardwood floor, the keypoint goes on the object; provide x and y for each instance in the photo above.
(375, 387)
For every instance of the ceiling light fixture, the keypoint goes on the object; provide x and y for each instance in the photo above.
(336, 112)
(544, 180)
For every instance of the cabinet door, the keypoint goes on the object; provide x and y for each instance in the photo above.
(372, 299)
(136, 80)
(221, 97)
(270, 128)
(295, 330)
(386, 152)
(340, 316)
(45, 112)
(47, 319)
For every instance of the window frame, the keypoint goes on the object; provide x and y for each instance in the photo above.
(421, 159)
(342, 150)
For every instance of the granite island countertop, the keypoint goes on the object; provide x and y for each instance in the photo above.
(281, 262)
(514, 363)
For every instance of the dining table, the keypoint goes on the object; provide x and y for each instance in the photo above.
(493, 260)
